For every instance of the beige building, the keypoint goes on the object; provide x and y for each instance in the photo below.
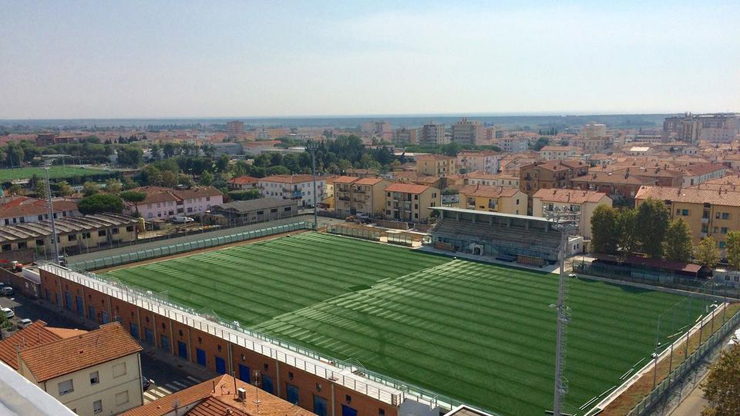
(709, 212)
(570, 199)
(436, 165)
(493, 199)
(433, 133)
(488, 179)
(593, 130)
(485, 161)
(95, 373)
(411, 202)
(469, 132)
(354, 196)
(558, 152)
(234, 128)
(405, 135)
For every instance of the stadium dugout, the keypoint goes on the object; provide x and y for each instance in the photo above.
(503, 236)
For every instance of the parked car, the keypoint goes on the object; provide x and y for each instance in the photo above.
(7, 291)
(7, 312)
(145, 383)
(24, 323)
(180, 219)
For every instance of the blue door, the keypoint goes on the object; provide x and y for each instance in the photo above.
(80, 306)
(135, 330)
(200, 356)
(68, 300)
(148, 336)
(348, 411)
(319, 405)
(91, 313)
(291, 393)
(182, 349)
(267, 384)
(104, 317)
(165, 342)
(244, 373)
(220, 365)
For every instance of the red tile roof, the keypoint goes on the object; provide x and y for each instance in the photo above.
(31, 336)
(484, 191)
(345, 179)
(24, 206)
(369, 181)
(690, 195)
(289, 178)
(243, 180)
(570, 196)
(407, 188)
(64, 356)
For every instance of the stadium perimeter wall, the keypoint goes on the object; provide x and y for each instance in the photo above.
(185, 334)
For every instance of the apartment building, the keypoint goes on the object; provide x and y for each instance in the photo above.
(165, 203)
(405, 136)
(488, 179)
(559, 152)
(548, 175)
(469, 132)
(365, 196)
(234, 128)
(570, 199)
(298, 187)
(243, 183)
(22, 209)
(433, 134)
(709, 212)
(486, 161)
(615, 185)
(381, 129)
(436, 165)
(92, 373)
(593, 130)
(411, 202)
(514, 144)
(493, 199)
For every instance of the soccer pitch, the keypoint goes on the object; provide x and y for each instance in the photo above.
(479, 333)
(55, 172)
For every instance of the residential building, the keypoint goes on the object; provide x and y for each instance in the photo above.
(74, 234)
(493, 199)
(469, 132)
(709, 212)
(436, 165)
(165, 203)
(21, 397)
(363, 196)
(433, 134)
(548, 175)
(405, 136)
(488, 179)
(227, 396)
(381, 129)
(253, 211)
(702, 172)
(593, 130)
(97, 372)
(298, 187)
(243, 183)
(559, 152)
(227, 148)
(22, 209)
(411, 202)
(234, 128)
(616, 185)
(584, 202)
(514, 144)
(485, 161)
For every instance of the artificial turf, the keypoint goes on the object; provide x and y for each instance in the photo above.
(55, 172)
(479, 333)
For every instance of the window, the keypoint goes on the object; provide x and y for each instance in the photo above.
(260, 212)
(287, 209)
(119, 370)
(273, 210)
(39, 243)
(6, 247)
(725, 215)
(94, 378)
(22, 245)
(85, 236)
(130, 228)
(97, 406)
(66, 387)
(724, 230)
(114, 231)
(685, 212)
(122, 398)
(101, 233)
(722, 244)
(72, 237)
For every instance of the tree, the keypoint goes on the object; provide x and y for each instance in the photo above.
(89, 188)
(15, 190)
(156, 152)
(113, 186)
(652, 220)
(540, 143)
(721, 385)
(133, 197)
(40, 189)
(605, 230)
(678, 245)
(100, 203)
(733, 249)
(628, 242)
(206, 179)
(129, 183)
(222, 164)
(64, 188)
(169, 179)
(707, 253)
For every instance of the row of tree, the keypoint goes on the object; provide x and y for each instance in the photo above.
(649, 230)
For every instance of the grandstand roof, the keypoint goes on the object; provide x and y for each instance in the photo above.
(490, 214)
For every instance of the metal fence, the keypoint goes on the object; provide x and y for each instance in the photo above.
(364, 233)
(154, 253)
(338, 371)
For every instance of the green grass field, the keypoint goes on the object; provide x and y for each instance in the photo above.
(479, 333)
(55, 172)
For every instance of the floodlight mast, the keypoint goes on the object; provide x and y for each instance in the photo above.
(312, 147)
(51, 215)
(565, 220)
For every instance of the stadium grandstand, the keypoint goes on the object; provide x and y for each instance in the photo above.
(503, 236)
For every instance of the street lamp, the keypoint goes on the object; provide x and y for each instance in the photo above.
(312, 147)
(565, 220)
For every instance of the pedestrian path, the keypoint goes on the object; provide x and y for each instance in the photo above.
(155, 392)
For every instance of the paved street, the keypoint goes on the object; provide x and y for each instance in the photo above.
(157, 391)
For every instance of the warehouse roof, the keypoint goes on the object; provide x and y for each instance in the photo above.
(67, 225)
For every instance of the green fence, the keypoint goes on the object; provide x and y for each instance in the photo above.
(154, 253)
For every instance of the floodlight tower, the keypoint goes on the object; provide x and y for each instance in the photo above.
(565, 220)
(312, 147)
(51, 214)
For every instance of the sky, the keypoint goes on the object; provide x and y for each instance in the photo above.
(150, 59)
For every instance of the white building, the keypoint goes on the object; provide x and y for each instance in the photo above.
(558, 152)
(487, 161)
(514, 144)
(433, 133)
(593, 130)
(469, 132)
(702, 172)
(297, 187)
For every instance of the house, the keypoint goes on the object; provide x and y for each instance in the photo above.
(548, 175)
(252, 211)
(570, 199)
(436, 165)
(243, 183)
(493, 199)
(297, 187)
(22, 209)
(486, 161)
(613, 184)
(700, 173)
(165, 203)
(225, 395)
(559, 152)
(354, 196)
(21, 397)
(411, 202)
(96, 372)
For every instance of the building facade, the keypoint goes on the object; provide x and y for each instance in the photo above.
(486, 161)
(411, 202)
(493, 199)
(364, 196)
(296, 187)
(433, 134)
(469, 132)
(584, 202)
(436, 165)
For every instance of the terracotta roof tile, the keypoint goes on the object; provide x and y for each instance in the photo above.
(28, 337)
(407, 188)
(571, 196)
(484, 191)
(344, 179)
(65, 356)
(24, 206)
(690, 195)
(243, 180)
(289, 178)
(368, 181)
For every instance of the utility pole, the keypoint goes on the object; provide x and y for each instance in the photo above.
(566, 221)
(51, 216)
(312, 147)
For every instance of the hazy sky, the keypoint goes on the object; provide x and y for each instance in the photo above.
(118, 59)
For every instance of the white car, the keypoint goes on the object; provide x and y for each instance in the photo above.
(7, 312)
(24, 323)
